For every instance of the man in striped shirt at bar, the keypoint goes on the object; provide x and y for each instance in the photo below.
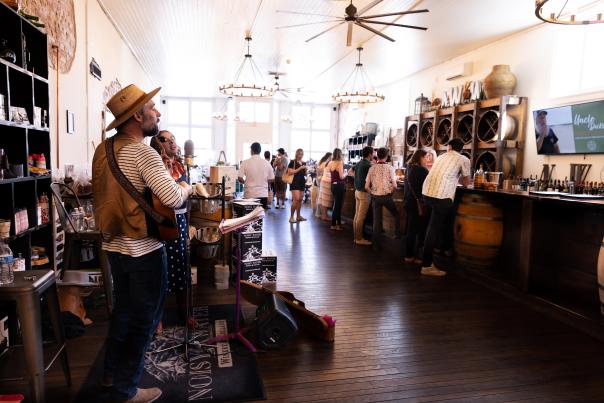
(439, 193)
(138, 261)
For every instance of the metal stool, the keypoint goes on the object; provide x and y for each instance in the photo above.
(26, 293)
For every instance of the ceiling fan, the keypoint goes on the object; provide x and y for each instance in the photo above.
(355, 17)
(285, 92)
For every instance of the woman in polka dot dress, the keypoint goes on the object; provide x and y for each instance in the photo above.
(165, 144)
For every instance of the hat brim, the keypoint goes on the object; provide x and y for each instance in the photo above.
(132, 110)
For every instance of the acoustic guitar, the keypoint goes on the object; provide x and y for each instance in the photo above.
(167, 229)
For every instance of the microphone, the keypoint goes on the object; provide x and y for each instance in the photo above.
(189, 150)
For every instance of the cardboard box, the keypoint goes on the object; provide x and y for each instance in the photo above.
(230, 174)
(244, 207)
(269, 267)
(251, 271)
(251, 245)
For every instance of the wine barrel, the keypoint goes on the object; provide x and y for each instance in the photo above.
(478, 231)
(601, 277)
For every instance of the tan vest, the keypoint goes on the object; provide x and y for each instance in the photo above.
(116, 212)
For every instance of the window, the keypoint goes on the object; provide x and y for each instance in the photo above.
(259, 112)
(311, 130)
(577, 61)
(190, 119)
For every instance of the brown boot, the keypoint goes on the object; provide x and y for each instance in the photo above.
(145, 395)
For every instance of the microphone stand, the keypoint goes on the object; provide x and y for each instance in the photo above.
(186, 341)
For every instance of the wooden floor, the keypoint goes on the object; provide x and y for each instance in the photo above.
(400, 336)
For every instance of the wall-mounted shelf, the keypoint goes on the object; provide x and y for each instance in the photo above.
(24, 84)
(492, 128)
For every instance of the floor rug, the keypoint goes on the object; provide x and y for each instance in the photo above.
(226, 373)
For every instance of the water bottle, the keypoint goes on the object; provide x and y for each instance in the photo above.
(74, 215)
(89, 217)
(6, 264)
(81, 216)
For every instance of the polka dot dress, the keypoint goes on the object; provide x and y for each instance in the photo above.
(177, 273)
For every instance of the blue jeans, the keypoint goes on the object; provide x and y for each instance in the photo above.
(140, 285)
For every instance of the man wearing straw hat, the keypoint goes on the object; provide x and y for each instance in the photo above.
(138, 260)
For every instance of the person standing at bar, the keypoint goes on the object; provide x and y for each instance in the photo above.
(361, 196)
(165, 144)
(338, 187)
(258, 173)
(271, 183)
(416, 223)
(297, 167)
(325, 196)
(381, 183)
(280, 166)
(319, 175)
(137, 259)
(439, 193)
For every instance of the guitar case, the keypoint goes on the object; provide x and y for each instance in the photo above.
(322, 327)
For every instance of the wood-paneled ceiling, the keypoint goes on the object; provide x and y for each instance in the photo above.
(191, 46)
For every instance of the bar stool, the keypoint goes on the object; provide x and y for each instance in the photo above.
(26, 291)
(72, 235)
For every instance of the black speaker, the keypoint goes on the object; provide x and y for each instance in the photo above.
(275, 323)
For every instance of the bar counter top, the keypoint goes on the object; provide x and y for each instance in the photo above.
(594, 201)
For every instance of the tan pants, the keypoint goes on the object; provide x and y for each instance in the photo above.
(362, 203)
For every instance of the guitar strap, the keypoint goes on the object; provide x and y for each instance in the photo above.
(127, 185)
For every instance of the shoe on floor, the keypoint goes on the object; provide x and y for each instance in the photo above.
(301, 218)
(292, 220)
(339, 228)
(145, 395)
(433, 271)
(409, 260)
(333, 228)
(362, 242)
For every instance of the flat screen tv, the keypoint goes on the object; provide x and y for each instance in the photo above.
(571, 129)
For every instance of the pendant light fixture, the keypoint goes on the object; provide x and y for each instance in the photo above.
(569, 12)
(357, 89)
(223, 113)
(248, 79)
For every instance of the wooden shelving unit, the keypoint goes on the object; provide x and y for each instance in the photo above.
(24, 84)
(492, 131)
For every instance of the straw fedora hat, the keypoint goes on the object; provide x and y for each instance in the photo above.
(127, 102)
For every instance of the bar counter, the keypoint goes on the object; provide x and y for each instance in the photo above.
(548, 253)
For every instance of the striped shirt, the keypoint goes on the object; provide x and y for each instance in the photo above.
(443, 178)
(143, 167)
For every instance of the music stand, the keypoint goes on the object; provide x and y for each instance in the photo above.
(238, 332)
(186, 340)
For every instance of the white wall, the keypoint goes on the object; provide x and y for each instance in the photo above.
(530, 54)
(81, 93)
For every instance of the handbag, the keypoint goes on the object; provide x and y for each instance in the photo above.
(287, 177)
(160, 219)
(422, 208)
